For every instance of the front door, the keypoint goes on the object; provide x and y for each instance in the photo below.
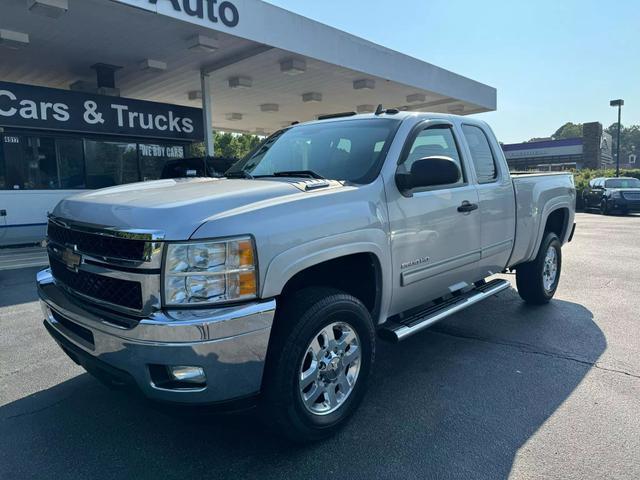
(435, 248)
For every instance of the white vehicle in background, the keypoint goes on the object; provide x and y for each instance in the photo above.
(271, 285)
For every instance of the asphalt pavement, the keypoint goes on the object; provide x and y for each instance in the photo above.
(501, 390)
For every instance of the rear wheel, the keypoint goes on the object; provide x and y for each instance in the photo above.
(320, 356)
(537, 280)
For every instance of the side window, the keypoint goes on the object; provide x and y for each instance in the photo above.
(481, 153)
(435, 142)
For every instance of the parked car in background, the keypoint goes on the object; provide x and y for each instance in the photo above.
(271, 285)
(197, 167)
(621, 194)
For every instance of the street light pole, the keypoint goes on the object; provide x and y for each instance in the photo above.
(617, 103)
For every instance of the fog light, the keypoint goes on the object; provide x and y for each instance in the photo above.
(182, 373)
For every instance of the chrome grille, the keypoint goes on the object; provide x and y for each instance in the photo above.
(118, 269)
(116, 291)
(98, 245)
(634, 196)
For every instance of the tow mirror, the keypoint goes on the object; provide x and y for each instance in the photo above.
(429, 172)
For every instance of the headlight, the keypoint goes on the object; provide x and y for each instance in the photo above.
(616, 195)
(210, 272)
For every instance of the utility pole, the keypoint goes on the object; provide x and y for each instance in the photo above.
(617, 103)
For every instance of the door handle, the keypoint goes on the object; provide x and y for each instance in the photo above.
(467, 206)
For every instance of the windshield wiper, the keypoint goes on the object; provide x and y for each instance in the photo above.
(299, 173)
(238, 174)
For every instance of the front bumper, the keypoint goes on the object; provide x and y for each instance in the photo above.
(625, 204)
(228, 343)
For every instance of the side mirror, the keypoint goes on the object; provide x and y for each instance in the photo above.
(429, 172)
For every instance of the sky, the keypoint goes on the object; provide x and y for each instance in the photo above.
(551, 62)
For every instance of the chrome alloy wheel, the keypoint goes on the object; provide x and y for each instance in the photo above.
(550, 270)
(330, 368)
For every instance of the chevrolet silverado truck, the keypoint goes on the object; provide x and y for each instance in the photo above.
(269, 286)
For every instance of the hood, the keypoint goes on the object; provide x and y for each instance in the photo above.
(630, 190)
(176, 206)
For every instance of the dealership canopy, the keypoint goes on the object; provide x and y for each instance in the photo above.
(253, 66)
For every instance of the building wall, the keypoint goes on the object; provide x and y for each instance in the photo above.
(592, 150)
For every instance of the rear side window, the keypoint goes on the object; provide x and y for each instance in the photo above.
(481, 153)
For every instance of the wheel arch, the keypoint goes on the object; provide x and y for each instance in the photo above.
(556, 219)
(334, 263)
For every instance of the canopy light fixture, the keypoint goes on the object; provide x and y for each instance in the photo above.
(416, 97)
(293, 66)
(312, 97)
(233, 117)
(13, 40)
(195, 95)
(153, 65)
(269, 107)
(240, 82)
(365, 108)
(48, 8)
(364, 84)
(203, 43)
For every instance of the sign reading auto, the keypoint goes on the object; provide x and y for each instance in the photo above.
(53, 109)
(225, 12)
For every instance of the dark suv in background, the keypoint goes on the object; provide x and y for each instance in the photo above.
(620, 194)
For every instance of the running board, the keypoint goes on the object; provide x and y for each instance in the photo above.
(401, 328)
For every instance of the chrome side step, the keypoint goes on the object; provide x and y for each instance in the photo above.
(400, 328)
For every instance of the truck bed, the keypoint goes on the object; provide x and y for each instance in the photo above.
(536, 195)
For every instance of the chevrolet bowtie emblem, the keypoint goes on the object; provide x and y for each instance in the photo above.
(71, 259)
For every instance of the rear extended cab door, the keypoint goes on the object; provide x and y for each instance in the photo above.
(496, 196)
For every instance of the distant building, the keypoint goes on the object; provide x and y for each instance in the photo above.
(592, 150)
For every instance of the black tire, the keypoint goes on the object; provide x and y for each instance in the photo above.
(529, 276)
(585, 203)
(604, 207)
(301, 317)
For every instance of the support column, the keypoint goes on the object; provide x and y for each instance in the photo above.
(205, 82)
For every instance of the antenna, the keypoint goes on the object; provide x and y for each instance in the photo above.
(379, 109)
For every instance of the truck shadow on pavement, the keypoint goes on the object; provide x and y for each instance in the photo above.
(18, 286)
(456, 401)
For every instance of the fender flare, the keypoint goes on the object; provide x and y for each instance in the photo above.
(548, 210)
(284, 266)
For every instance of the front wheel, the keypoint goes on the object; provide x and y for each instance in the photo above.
(320, 356)
(604, 207)
(537, 280)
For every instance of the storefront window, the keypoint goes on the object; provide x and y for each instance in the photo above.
(153, 158)
(67, 162)
(30, 162)
(70, 163)
(110, 163)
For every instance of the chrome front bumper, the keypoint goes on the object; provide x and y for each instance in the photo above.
(228, 343)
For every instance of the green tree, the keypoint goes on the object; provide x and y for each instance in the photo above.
(234, 145)
(629, 140)
(568, 130)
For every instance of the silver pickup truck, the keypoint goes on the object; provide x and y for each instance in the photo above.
(269, 286)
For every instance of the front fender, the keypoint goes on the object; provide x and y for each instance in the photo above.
(294, 260)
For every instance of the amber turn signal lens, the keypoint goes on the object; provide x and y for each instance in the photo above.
(247, 283)
(245, 252)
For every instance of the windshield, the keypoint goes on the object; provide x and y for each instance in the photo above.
(350, 150)
(622, 183)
